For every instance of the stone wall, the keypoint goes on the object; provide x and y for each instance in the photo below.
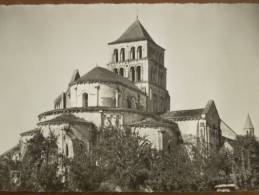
(105, 94)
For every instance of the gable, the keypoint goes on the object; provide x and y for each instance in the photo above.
(211, 114)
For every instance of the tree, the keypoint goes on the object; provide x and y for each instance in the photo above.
(82, 172)
(172, 170)
(123, 158)
(6, 166)
(40, 165)
(246, 154)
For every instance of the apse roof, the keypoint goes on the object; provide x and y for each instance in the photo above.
(135, 32)
(99, 74)
(67, 118)
(35, 130)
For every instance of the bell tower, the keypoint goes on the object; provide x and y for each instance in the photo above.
(249, 127)
(136, 56)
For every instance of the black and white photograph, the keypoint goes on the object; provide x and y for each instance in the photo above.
(129, 97)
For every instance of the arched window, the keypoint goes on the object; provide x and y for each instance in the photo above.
(154, 103)
(161, 78)
(139, 52)
(85, 99)
(132, 53)
(151, 74)
(162, 104)
(116, 55)
(122, 54)
(67, 151)
(115, 70)
(138, 73)
(132, 74)
(121, 71)
(154, 75)
(160, 58)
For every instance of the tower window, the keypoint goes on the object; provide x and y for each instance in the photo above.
(67, 151)
(115, 54)
(162, 104)
(132, 74)
(154, 103)
(138, 73)
(122, 55)
(132, 53)
(85, 99)
(139, 52)
(121, 71)
(115, 70)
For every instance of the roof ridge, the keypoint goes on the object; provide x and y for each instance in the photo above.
(186, 110)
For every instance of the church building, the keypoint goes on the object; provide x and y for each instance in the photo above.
(130, 93)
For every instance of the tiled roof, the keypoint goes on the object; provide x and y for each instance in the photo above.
(188, 114)
(66, 117)
(227, 132)
(30, 132)
(99, 74)
(135, 32)
(180, 114)
(150, 122)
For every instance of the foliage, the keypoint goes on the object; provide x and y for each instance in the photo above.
(40, 165)
(123, 157)
(246, 154)
(6, 166)
(172, 170)
(83, 174)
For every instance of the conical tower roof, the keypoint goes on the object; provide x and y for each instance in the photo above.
(248, 123)
(135, 32)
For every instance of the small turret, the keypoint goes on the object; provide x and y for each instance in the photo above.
(75, 76)
(249, 128)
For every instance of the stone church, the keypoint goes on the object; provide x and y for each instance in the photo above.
(131, 92)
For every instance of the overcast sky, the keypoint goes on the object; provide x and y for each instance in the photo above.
(212, 52)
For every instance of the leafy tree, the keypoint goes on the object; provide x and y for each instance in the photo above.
(82, 172)
(123, 158)
(172, 170)
(246, 154)
(6, 166)
(40, 165)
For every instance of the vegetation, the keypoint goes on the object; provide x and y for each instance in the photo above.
(125, 161)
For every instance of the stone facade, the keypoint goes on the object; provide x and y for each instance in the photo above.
(198, 125)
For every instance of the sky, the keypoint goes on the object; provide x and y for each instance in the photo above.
(212, 52)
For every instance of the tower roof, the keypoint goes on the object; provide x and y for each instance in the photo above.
(135, 32)
(248, 123)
